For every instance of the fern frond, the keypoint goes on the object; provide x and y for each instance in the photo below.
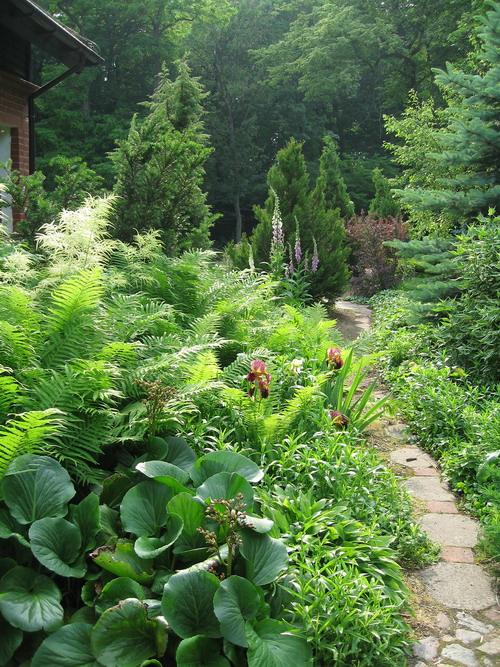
(29, 432)
(70, 332)
(9, 392)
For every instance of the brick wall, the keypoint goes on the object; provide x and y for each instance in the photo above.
(14, 113)
(14, 94)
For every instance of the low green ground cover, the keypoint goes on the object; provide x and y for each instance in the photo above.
(184, 475)
(453, 416)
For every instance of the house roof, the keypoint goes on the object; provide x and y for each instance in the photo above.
(35, 25)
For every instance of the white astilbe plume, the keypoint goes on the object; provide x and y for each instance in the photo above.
(16, 268)
(78, 239)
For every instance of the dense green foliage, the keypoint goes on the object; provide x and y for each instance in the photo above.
(160, 167)
(465, 151)
(446, 375)
(273, 69)
(315, 211)
(163, 386)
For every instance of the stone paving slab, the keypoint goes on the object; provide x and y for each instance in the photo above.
(442, 507)
(459, 585)
(427, 488)
(457, 555)
(412, 457)
(451, 530)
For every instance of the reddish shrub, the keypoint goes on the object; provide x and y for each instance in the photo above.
(373, 265)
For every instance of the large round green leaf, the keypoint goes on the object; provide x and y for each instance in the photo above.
(224, 461)
(35, 487)
(173, 450)
(200, 652)
(30, 601)
(9, 527)
(192, 513)
(117, 590)
(152, 547)
(226, 485)
(188, 603)
(165, 473)
(265, 557)
(124, 562)
(56, 543)
(236, 602)
(87, 517)
(271, 645)
(124, 636)
(144, 509)
(68, 647)
(11, 639)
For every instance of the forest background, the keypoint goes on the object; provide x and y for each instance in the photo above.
(268, 70)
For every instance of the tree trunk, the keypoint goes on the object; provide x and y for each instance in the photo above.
(239, 222)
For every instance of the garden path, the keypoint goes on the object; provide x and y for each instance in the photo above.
(457, 617)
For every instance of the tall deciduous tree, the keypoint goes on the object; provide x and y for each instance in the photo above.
(160, 166)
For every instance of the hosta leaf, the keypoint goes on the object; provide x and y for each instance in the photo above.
(56, 543)
(224, 461)
(144, 509)
(226, 485)
(173, 450)
(30, 601)
(9, 527)
(35, 487)
(86, 516)
(117, 590)
(236, 602)
(152, 547)
(187, 604)
(11, 639)
(165, 473)
(124, 636)
(270, 645)
(200, 652)
(265, 557)
(68, 647)
(124, 562)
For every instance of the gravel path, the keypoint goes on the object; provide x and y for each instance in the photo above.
(455, 604)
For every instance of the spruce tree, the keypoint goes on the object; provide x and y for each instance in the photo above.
(330, 184)
(383, 204)
(471, 140)
(431, 275)
(160, 166)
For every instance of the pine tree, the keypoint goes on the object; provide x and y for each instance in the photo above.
(330, 184)
(160, 167)
(383, 204)
(471, 141)
(288, 179)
